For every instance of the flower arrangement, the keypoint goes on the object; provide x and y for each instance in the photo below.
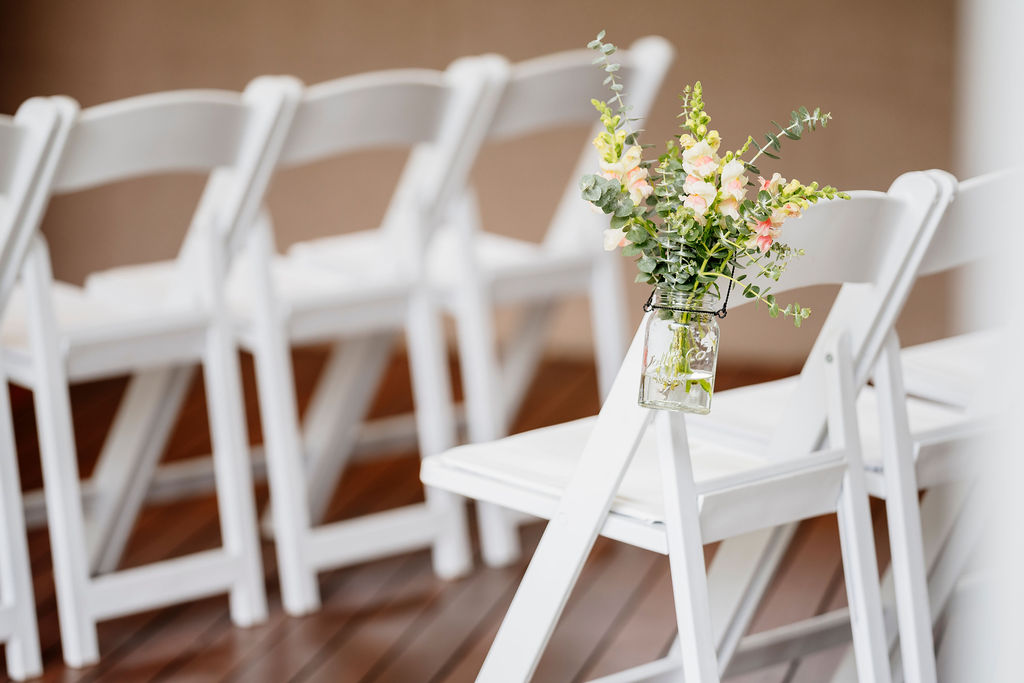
(689, 220)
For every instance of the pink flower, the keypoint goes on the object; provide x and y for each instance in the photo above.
(765, 232)
(697, 203)
(764, 242)
(699, 206)
(700, 195)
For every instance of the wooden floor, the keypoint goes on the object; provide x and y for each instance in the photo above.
(391, 620)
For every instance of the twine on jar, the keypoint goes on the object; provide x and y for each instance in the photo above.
(720, 313)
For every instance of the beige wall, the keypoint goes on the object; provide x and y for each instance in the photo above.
(883, 67)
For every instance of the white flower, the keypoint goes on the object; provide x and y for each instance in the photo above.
(788, 210)
(614, 238)
(700, 159)
(629, 160)
(694, 186)
(729, 207)
(771, 185)
(734, 181)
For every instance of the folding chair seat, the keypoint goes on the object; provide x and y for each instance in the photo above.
(98, 334)
(936, 370)
(57, 334)
(598, 476)
(472, 271)
(303, 288)
(748, 415)
(529, 471)
(30, 144)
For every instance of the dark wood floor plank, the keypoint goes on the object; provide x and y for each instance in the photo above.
(645, 630)
(212, 655)
(610, 578)
(820, 666)
(287, 646)
(455, 618)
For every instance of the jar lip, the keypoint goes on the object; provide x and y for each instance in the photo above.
(708, 301)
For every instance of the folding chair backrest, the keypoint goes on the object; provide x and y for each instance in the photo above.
(555, 91)
(969, 226)
(234, 137)
(437, 113)
(29, 143)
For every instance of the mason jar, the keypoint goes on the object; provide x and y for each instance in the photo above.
(680, 352)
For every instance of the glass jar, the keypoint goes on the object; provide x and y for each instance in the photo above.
(680, 353)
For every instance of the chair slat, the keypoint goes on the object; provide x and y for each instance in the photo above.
(152, 134)
(384, 109)
(552, 91)
(979, 204)
(10, 141)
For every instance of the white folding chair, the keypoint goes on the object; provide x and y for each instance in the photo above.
(54, 334)
(30, 144)
(279, 302)
(440, 115)
(474, 271)
(912, 441)
(580, 475)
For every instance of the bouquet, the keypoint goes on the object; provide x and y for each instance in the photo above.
(694, 220)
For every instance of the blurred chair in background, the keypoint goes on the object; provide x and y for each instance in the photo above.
(358, 308)
(30, 145)
(583, 476)
(473, 272)
(54, 334)
(469, 272)
(931, 411)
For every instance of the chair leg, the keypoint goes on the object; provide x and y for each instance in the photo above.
(499, 535)
(523, 356)
(128, 461)
(62, 488)
(233, 473)
(910, 579)
(951, 562)
(939, 510)
(435, 426)
(860, 567)
(860, 564)
(570, 534)
(608, 313)
(686, 551)
(286, 475)
(16, 594)
(342, 399)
